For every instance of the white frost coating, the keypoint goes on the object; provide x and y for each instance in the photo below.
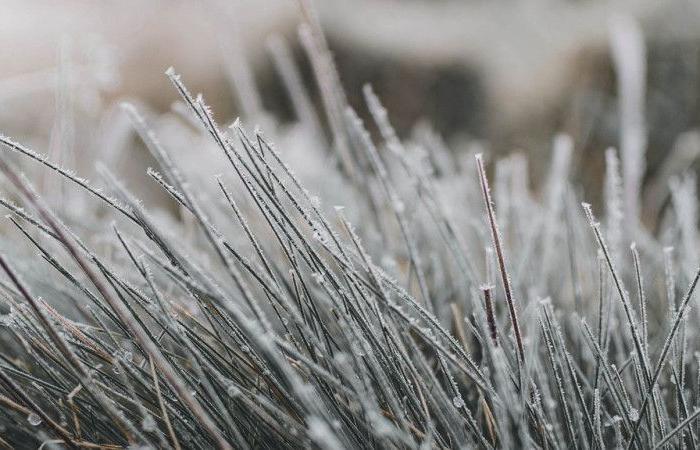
(148, 423)
(322, 434)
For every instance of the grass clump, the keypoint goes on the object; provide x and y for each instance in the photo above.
(416, 315)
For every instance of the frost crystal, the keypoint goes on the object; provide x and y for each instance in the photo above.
(34, 419)
(148, 423)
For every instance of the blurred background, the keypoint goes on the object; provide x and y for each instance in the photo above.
(505, 74)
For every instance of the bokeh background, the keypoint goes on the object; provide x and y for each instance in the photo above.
(508, 75)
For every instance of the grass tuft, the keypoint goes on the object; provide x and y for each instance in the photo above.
(346, 301)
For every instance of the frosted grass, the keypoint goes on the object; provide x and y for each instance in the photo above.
(255, 314)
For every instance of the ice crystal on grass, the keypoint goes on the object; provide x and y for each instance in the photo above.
(34, 419)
